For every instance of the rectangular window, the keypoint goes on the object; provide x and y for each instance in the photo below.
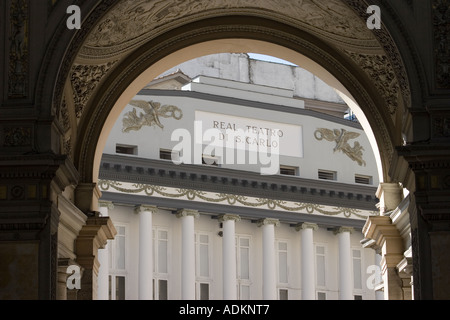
(160, 264)
(289, 171)
(283, 294)
(126, 149)
(321, 296)
(320, 266)
(204, 291)
(202, 260)
(117, 263)
(357, 274)
(363, 179)
(165, 154)
(120, 288)
(282, 262)
(358, 297)
(162, 290)
(327, 175)
(243, 267)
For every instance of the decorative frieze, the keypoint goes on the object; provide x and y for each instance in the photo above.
(230, 199)
(441, 37)
(16, 136)
(18, 81)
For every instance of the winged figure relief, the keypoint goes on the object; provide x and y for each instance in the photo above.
(341, 137)
(149, 115)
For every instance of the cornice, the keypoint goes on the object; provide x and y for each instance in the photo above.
(256, 104)
(165, 173)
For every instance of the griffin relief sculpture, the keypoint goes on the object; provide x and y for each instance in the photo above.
(341, 137)
(152, 111)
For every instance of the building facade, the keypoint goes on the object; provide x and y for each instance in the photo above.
(64, 88)
(225, 189)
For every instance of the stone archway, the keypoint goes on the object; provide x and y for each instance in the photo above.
(85, 74)
(135, 42)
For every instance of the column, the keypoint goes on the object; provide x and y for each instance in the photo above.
(229, 255)
(387, 237)
(307, 260)
(345, 263)
(145, 251)
(188, 253)
(103, 259)
(269, 266)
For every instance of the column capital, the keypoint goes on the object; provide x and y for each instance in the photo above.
(142, 208)
(106, 204)
(187, 212)
(306, 225)
(338, 230)
(228, 217)
(268, 221)
(390, 195)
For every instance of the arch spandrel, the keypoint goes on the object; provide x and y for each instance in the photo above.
(128, 27)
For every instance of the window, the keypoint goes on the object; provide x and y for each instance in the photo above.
(289, 171)
(321, 296)
(320, 266)
(327, 175)
(283, 294)
(165, 154)
(363, 179)
(160, 264)
(202, 255)
(126, 149)
(243, 267)
(202, 263)
(282, 262)
(204, 291)
(357, 274)
(358, 297)
(117, 262)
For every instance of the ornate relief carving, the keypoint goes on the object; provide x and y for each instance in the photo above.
(379, 69)
(441, 30)
(150, 117)
(18, 50)
(17, 136)
(229, 199)
(441, 126)
(131, 22)
(388, 45)
(341, 138)
(84, 79)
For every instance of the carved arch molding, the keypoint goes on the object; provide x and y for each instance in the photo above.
(121, 37)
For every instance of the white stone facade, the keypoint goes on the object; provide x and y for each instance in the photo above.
(194, 243)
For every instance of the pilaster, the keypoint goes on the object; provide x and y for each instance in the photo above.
(390, 195)
(268, 263)
(388, 238)
(93, 236)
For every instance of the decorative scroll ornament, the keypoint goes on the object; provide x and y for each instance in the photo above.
(152, 112)
(341, 137)
(230, 199)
